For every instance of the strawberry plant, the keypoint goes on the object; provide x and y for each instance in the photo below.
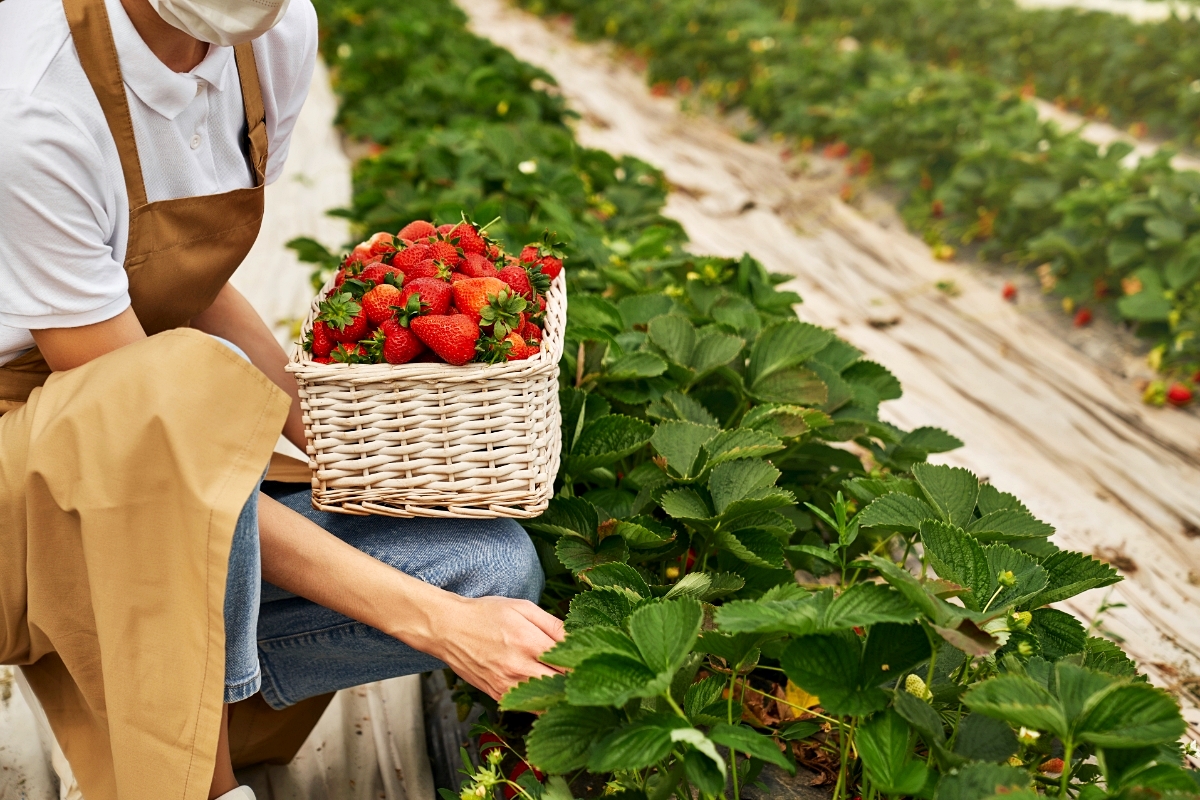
(975, 164)
(756, 570)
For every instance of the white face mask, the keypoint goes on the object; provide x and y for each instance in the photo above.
(222, 22)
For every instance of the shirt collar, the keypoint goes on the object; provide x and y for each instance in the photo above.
(165, 91)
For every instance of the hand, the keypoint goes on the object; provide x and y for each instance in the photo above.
(494, 643)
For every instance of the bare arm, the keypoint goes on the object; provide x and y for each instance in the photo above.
(67, 348)
(491, 642)
(233, 318)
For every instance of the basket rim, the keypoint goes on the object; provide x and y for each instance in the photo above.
(304, 368)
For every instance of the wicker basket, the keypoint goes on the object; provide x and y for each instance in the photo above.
(435, 440)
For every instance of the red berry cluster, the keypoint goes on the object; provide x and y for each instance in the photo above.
(442, 294)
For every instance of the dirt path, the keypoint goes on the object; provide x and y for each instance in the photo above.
(1039, 417)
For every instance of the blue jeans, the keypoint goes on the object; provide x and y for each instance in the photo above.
(292, 648)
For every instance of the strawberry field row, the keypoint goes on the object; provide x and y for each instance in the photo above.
(731, 576)
(975, 164)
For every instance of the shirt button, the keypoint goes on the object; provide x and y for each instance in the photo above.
(195, 141)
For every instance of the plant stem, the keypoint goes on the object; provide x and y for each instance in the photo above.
(671, 700)
(729, 714)
(996, 594)
(1065, 780)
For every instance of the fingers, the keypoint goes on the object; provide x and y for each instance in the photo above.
(549, 624)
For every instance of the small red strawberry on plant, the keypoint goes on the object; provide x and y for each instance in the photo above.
(1083, 318)
(319, 341)
(417, 229)
(379, 303)
(344, 315)
(433, 295)
(520, 769)
(453, 337)
(1009, 292)
(1179, 394)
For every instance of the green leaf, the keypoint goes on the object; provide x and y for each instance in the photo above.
(982, 738)
(761, 500)
(606, 441)
(593, 311)
(599, 607)
(703, 746)
(666, 631)
(675, 405)
(758, 548)
(1070, 573)
(740, 480)
(1029, 575)
(1019, 701)
(975, 781)
(535, 694)
(784, 421)
(958, 557)
(619, 575)
(567, 516)
(951, 490)
(896, 512)
(580, 645)
(845, 674)
(714, 349)
(635, 365)
(1131, 715)
(1009, 525)
(685, 504)
(636, 745)
(882, 743)
(742, 739)
(577, 555)
(680, 443)
(784, 345)
(1105, 656)
(992, 500)
(702, 694)
(675, 336)
(930, 440)
(921, 716)
(612, 680)
(793, 385)
(740, 443)
(1058, 633)
(562, 738)
(800, 615)
(876, 377)
(867, 604)
(637, 535)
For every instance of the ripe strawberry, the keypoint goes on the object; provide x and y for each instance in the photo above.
(323, 360)
(374, 248)
(453, 337)
(412, 255)
(530, 332)
(319, 341)
(520, 349)
(1179, 394)
(937, 209)
(1009, 292)
(517, 771)
(400, 344)
(526, 280)
(493, 350)
(503, 313)
(470, 296)
(378, 273)
(489, 741)
(468, 238)
(455, 277)
(445, 229)
(545, 254)
(428, 269)
(379, 303)
(432, 293)
(418, 229)
(346, 320)
(1083, 317)
(477, 266)
(352, 353)
(445, 252)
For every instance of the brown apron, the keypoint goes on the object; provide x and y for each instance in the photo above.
(120, 485)
(182, 252)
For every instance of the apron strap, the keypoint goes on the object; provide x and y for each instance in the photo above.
(88, 20)
(256, 115)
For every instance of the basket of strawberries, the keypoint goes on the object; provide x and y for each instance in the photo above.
(428, 375)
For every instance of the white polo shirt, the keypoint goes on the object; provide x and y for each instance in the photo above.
(64, 213)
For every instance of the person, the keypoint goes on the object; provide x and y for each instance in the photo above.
(150, 582)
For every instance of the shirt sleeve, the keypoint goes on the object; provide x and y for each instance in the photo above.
(287, 55)
(56, 263)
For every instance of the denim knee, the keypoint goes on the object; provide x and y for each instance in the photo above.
(514, 569)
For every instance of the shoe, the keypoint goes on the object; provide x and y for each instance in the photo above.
(240, 793)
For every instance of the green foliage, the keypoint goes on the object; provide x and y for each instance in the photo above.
(733, 518)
